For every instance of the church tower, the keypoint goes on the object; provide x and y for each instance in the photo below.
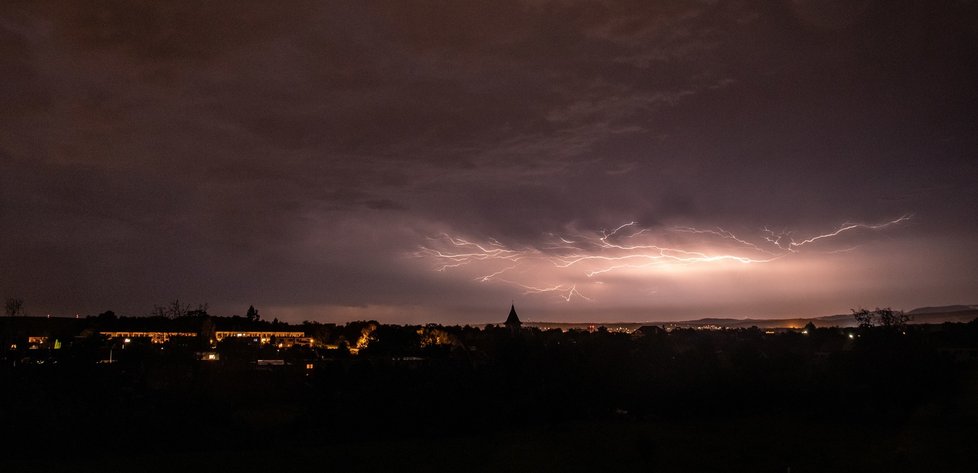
(513, 321)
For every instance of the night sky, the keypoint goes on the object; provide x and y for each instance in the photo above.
(434, 161)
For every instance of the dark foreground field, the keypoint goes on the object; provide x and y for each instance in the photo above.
(760, 443)
(738, 400)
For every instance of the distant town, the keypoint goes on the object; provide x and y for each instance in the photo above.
(365, 396)
(107, 337)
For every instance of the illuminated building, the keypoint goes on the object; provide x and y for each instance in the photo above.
(154, 337)
(282, 339)
(208, 356)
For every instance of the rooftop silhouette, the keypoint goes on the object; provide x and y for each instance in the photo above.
(513, 320)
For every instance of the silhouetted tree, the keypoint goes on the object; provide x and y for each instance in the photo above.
(252, 314)
(172, 310)
(322, 333)
(433, 335)
(200, 311)
(14, 306)
(175, 310)
(887, 318)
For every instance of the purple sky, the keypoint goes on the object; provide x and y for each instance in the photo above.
(433, 161)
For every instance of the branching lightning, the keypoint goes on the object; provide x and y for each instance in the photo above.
(778, 238)
(581, 257)
(849, 226)
(723, 234)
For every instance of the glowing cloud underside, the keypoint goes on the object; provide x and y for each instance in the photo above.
(562, 262)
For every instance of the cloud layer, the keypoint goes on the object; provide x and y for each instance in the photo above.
(299, 157)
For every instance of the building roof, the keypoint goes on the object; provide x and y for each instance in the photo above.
(513, 319)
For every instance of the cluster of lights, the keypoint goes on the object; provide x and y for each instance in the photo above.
(629, 247)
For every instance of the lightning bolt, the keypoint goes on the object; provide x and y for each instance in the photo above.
(489, 277)
(625, 247)
(565, 294)
(849, 226)
(722, 234)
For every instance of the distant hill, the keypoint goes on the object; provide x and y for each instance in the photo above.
(922, 315)
(944, 309)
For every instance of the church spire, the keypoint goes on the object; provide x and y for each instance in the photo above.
(513, 321)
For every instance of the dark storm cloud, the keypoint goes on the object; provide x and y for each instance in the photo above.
(292, 155)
